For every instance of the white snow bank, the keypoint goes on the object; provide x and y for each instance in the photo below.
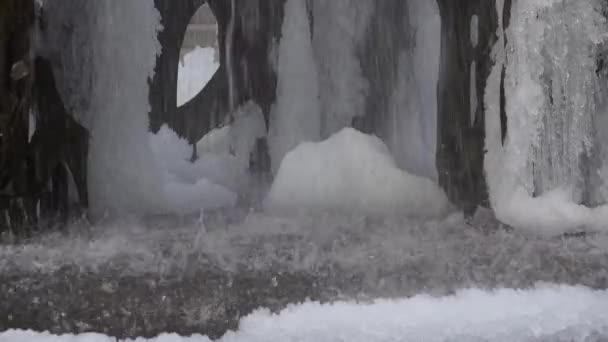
(351, 171)
(548, 312)
(195, 71)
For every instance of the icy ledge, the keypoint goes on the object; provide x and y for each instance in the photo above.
(548, 312)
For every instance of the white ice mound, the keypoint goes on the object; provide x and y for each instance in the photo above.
(351, 171)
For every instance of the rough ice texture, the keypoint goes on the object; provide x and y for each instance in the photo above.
(195, 71)
(351, 171)
(296, 115)
(544, 171)
(339, 28)
(411, 129)
(557, 313)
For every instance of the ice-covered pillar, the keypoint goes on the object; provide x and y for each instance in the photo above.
(468, 34)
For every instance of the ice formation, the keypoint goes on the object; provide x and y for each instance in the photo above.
(106, 57)
(412, 125)
(221, 171)
(296, 115)
(543, 174)
(209, 182)
(123, 177)
(548, 312)
(338, 31)
(351, 171)
(195, 71)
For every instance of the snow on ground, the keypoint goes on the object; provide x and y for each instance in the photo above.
(547, 312)
(351, 171)
(195, 71)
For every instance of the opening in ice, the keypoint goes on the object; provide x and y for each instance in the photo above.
(199, 55)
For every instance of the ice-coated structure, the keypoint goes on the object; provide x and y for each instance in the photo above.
(547, 173)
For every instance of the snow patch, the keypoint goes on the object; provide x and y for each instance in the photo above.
(548, 312)
(351, 171)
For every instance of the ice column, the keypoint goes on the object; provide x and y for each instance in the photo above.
(295, 117)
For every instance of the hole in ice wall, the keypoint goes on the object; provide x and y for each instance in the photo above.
(199, 55)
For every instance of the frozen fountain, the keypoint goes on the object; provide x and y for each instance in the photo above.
(336, 144)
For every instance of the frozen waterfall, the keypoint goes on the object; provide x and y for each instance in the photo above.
(548, 173)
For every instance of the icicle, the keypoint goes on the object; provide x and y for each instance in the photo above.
(230, 57)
